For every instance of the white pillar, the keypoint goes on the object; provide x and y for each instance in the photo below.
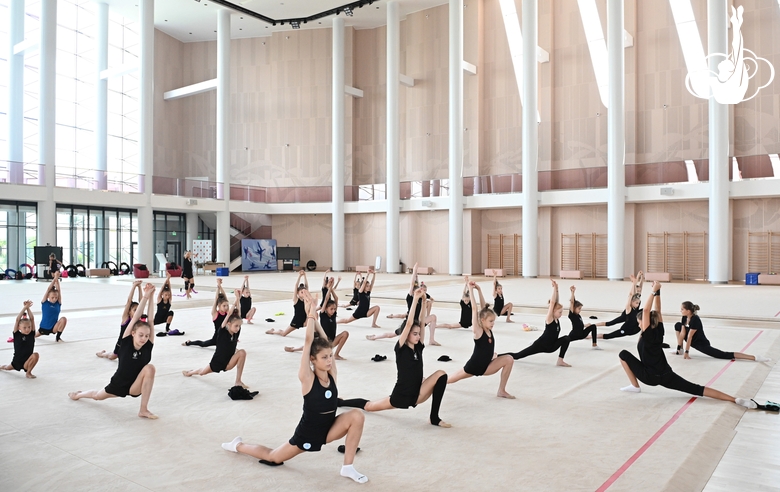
(192, 230)
(338, 153)
(146, 132)
(101, 98)
(456, 138)
(16, 92)
(530, 140)
(616, 142)
(717, 41)
(393, 142)
(223, 119)
(47, 227)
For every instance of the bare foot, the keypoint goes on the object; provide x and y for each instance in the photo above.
(561, 363)
(74, 395)
(30, 376)
(186, 344)
(60, 340)
(187, 373)
(389, 316)
(435, 343)
(241, 383)
(509, 320)
(338, 357)
(147, 415)
(504, 394)
(374, 325)
(370, 337)
(289, 349)
(270, 332)
(444, 424)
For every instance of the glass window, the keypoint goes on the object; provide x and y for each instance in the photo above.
(95, 235)
(18, 234)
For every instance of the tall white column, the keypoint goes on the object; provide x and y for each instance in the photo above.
(47, 228)
(223, 119)
(530, 140)
(16, 92)
(192, 231)
(101, 98)
(393, 142)
(338, 155)
(616, 142)
(717, 41)
(456, 138)
(146, 131)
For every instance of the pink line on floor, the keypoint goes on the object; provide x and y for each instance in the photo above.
(778, 314)
(668, 424)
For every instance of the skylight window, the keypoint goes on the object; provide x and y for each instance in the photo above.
(597, 45)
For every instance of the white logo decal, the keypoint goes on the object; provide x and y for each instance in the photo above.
(730, 84)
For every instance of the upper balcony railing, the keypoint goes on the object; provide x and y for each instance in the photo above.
(93, 179)
(23, 173)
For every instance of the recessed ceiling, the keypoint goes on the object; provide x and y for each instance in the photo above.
(192, 20)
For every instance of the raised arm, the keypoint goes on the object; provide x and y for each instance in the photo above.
(162, 289)
(363, 285)
(641, 278)
(52, 285)
(553, 301)
(245, 285)
(410, 319)
(216, 299)
(495, 285)
(295, 289)
(475, 308)
(657, 293)
(646, 312)
(631, 293)
(481, 297)
(28, 304)
(413, 281)
(25, 309)
(149, 309)
(148, 292)
(336, 286)
(136, 286)
(466, 290)
(331, 295)
(305, 279)
(233, 308)
(305, 374)
(572, 298)
(325, 279)
(373, 279)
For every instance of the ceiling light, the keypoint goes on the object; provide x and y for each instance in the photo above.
(295, 24)
(348, 11)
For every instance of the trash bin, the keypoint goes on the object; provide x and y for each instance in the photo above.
(751, 279)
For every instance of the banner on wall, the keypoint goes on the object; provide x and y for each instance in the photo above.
(201, 249)
(258, 255)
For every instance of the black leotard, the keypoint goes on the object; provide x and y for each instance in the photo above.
(328, 324)
(217, 326)
(498, 304)
(299, 317)
(355, 296)
(363, 304)
(578, 331)
(226, 348)
(246, 305)
(319, 412)
(465, 314)
(131, 362)
(630, 325)
(547, 343)
(484, 348)
(122, 328)
(186, 268)
(162, 313)
(700, 341)
(409, 364)
(24, 345)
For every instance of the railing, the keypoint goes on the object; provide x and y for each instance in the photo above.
(93, 179)
(188, 187)
(26, 173)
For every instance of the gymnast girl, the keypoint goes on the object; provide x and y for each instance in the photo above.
(299, 307)
(413, 285)
(164, 313)
(319, 424)
(134, 375)
(127, 315)
(549, 341)
(628, 317)
(498, 300)
(483, 361)
(364, 293)
(691, 332)
(327, 284)
(187, 275)
(25, 358)
(422, 315)
(219, 311)
(226, 357)
(328, 322)
(51, 304)
(356, 283)
(652, 368)
(410, 388)
(247, 311)
(465, 309)
(578, 329)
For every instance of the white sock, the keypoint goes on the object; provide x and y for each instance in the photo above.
(761, 358)
(746, 402)
(631, 389)
(231, 446)
(350, 472)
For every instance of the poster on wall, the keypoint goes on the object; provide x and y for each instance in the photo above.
(201, 249)
(258, 255)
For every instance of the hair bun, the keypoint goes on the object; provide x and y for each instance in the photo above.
(695, 307)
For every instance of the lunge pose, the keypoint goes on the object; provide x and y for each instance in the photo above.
(628, 317)
(363, 310)
(422, 315)
(466, 318)
(226, 357)
(498, 301)
(328, 322)
(690, 332)
(578, 329)
(127, 316)
(549, 341)
(25, 358)
(247, 311)
(652, 368)
(413, 285)
(410, 388)
(299, 306)
(135, 375)
(51, 304)
(187, 274)
(319, 424)
(164, 313)
(219, 312)
(328, 284)
(483, 361)
(356, 283)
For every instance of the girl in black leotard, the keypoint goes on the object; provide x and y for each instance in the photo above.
(465, 309)
(127, 315)
(691, 332)
(410, 388)
(247, 311)
(356, 283)
(25, 358)
(422, 314)
(549, 341)
(164, 313)
(219, 311)
(135, 375)
(299, 315)
(319, 424)
(363, 310)
(628, 317)
(226, 357)
(328, 322)
(578, 329)
(652, 368)
(483, 360)
(187, 274)
(498, 301)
